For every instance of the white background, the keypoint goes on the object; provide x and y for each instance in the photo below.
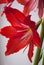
(21, 57)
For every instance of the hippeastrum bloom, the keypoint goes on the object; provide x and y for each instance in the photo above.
(41, 8)
(21, 33)
(29, 5)
(5, 1)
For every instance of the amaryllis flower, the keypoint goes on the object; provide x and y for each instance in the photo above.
(41, 8)
(29, 5)
(5, 1)
(21, 33)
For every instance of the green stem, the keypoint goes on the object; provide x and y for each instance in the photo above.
(43, 58)
(40, 55)
(38, 23)
(38, 51)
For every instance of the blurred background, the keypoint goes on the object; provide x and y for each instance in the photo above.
(19, 58)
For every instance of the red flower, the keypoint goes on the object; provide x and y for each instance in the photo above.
(41, 8)
(29, 5)
(5, 1)
(21, 33)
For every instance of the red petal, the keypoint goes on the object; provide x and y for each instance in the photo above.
(29, 6)
(10, 31)
(5, 1)
(35, 35)
(36, 38)
(18, 19)
(40, 12)
(14, 16)
(30, 52)
(0, 30)
(29, 22)
(16, 44)
(40, 7)
(23, 2)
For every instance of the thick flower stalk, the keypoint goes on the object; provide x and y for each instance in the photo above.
(21, 33)
(43, 58)
(38, 51)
